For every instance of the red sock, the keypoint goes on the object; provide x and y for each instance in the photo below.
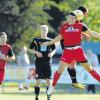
(55, 78)
(95, 75)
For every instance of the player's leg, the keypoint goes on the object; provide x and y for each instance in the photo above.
(93, 72)
(47, 76)
(56, 77)
(48, 84)
(2, 73)
(39, 75)
(37, 88)
(72, 72)
(1, 76)
(57, 74)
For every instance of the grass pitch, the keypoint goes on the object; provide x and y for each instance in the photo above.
(12, 93)
(54, 97)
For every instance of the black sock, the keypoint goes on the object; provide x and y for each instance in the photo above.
(48, 96)
(47, 89)
(72, 73)
(37, 91)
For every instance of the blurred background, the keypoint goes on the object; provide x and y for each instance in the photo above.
(21, 20)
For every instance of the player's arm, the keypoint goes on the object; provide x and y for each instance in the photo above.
(10, 56)
(53, 49)
(56, 39)
(90, 32)
(52, 53)
(93, 34)
(86, 36)
(32, 49)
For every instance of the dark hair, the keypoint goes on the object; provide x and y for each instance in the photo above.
(83, 9)
(71, 13)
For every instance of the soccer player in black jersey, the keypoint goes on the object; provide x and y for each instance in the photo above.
(42, 61)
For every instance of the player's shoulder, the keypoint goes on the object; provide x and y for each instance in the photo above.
(36, 39)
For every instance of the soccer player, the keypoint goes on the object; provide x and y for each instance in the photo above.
(71, 70)
(71, 32)
(42, 61)
(6, 54)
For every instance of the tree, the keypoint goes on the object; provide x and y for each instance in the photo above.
(21, 18)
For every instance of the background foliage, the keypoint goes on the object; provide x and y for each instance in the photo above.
(21, 18)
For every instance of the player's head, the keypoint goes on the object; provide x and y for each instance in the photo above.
(3, 38)
(79, 14)
(72, 17)
(83, 9)
(44, 29)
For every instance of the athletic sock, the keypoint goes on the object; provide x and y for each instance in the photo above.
(37, 91)
(72, 73)
(48, 97)
(47, 89)
(95, 75)
(55, 78)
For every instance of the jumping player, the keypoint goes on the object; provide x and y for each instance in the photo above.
(71, 70)
(6, 54)
(71, 32)
(42, 61)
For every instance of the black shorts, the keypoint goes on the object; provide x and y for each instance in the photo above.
(43, 69)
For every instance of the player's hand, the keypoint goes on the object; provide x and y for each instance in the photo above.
(39, 54)
(50, 55)
(45, 43)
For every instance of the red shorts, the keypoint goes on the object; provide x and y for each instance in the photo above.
(2, 72)
(70, 55)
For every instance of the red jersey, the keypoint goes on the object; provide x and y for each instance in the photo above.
(71, 34)
(4, 50)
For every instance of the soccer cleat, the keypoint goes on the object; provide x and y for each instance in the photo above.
(50, 89)
(79, 85)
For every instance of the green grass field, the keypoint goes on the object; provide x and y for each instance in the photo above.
(54, 97)
(61, 93)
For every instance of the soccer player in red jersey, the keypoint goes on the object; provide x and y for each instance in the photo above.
(71, 69)
(6, 54)
(71, 32)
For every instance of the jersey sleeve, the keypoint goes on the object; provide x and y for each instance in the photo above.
(84, 28)
(32, 44)
(10, 52)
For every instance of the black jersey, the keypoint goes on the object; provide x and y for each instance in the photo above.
(36, 45)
